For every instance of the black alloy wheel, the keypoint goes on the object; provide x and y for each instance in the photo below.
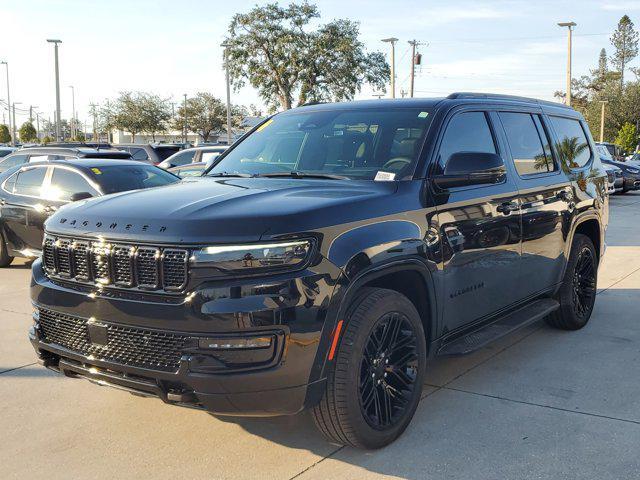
(388, 371)
(584, 283)
(577, 294)
(374, 382)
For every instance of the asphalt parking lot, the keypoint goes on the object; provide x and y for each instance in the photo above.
(541, 403)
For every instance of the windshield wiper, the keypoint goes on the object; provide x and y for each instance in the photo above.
(227, 174)
(298, 174)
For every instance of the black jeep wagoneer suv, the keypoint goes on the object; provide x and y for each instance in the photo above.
(325, 257)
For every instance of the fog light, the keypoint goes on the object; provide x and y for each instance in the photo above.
(35, 313)
(237, 343)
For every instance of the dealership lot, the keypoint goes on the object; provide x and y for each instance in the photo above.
(540, 403)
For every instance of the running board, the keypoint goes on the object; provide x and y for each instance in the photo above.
(504, 326)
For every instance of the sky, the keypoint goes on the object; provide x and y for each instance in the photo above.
(173, 47)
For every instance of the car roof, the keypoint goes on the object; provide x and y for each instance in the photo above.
(455, 98)
(66, 151)
(211, 148)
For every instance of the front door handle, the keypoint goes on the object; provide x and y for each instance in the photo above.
(49, 209)
(508, 207)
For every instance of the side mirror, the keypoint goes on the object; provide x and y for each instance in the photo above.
(471, 168)
(80, 196)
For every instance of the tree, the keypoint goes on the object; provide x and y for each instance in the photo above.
(28, 132)
(155, 113)
(627, 137)
(276, 51)
(47, 139)
(127, 114)
(205, 114)
(5, 135)
(602, 63)
(625, 42)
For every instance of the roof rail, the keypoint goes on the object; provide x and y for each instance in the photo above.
(499, 96)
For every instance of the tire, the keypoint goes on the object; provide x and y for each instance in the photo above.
(366, 411)
(576, 306)
(5, 258)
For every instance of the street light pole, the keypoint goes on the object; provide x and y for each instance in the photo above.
(226, 46)
(570, 26)
(185, 119)
(73, 111)
(392, 41)
(13, 138)
(602, 102)
(14, 121)
(58, 121)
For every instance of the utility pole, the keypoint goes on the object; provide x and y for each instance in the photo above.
(570, 26)
(58, 125)
(602, 102)
(184, 112)
(30, 113)
(415, 60)
(392, 41)
(38, 126)
(73, 112)
(13, 138)
(226, 46)
(95, 122)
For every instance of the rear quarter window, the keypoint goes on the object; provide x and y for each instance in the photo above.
(572, 146)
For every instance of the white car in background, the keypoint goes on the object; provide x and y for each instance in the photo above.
(193, 155)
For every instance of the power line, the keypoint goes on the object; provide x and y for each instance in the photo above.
(502, 39)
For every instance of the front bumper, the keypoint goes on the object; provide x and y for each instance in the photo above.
(296, 310)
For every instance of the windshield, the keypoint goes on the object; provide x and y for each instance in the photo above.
(357, 144)
(121, 178)
(604, 152)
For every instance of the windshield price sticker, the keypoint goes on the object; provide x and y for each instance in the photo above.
(384, 176)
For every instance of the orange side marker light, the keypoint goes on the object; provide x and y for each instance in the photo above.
(334, 342)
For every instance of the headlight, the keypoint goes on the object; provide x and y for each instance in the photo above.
(254, 258)
(633, 170)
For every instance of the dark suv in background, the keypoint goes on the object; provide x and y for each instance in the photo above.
(153, 153)
(326, 256)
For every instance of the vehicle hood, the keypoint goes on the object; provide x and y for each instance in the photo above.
(203, 210)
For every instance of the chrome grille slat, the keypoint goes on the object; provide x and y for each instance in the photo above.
(147, 267)
(139, 267)
(64, 257)
(136, 347)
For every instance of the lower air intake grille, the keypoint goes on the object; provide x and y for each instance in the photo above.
(135, 347)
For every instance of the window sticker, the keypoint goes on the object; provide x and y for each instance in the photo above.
(264, 125)
(384, 176)
(423, 114)
(96, 171)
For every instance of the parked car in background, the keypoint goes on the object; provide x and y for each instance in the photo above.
(615, 151)
(635, 158)
(74, 144)
(4, 151)
(44, 154)
(189, 170)
(30, 193)
(630, 171)
(193, 155)
(153, 153)
(327, 256)
(615, 178)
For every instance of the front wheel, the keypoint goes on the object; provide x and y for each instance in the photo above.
(577, 294)
(374, 389)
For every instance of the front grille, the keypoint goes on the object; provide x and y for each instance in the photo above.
(132, 346)
(124, 266)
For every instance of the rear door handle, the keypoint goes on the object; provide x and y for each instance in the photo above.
(508, 207)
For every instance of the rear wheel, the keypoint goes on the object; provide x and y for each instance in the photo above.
(374, 389)
(5, 258)
(577, 294)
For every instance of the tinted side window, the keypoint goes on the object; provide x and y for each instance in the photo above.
(10, 183)
(139, 154)
(573, 146)
(466, 132)
(13, 161)
(526, 146)
(29, 182)
(65, 183)
(183, 158)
